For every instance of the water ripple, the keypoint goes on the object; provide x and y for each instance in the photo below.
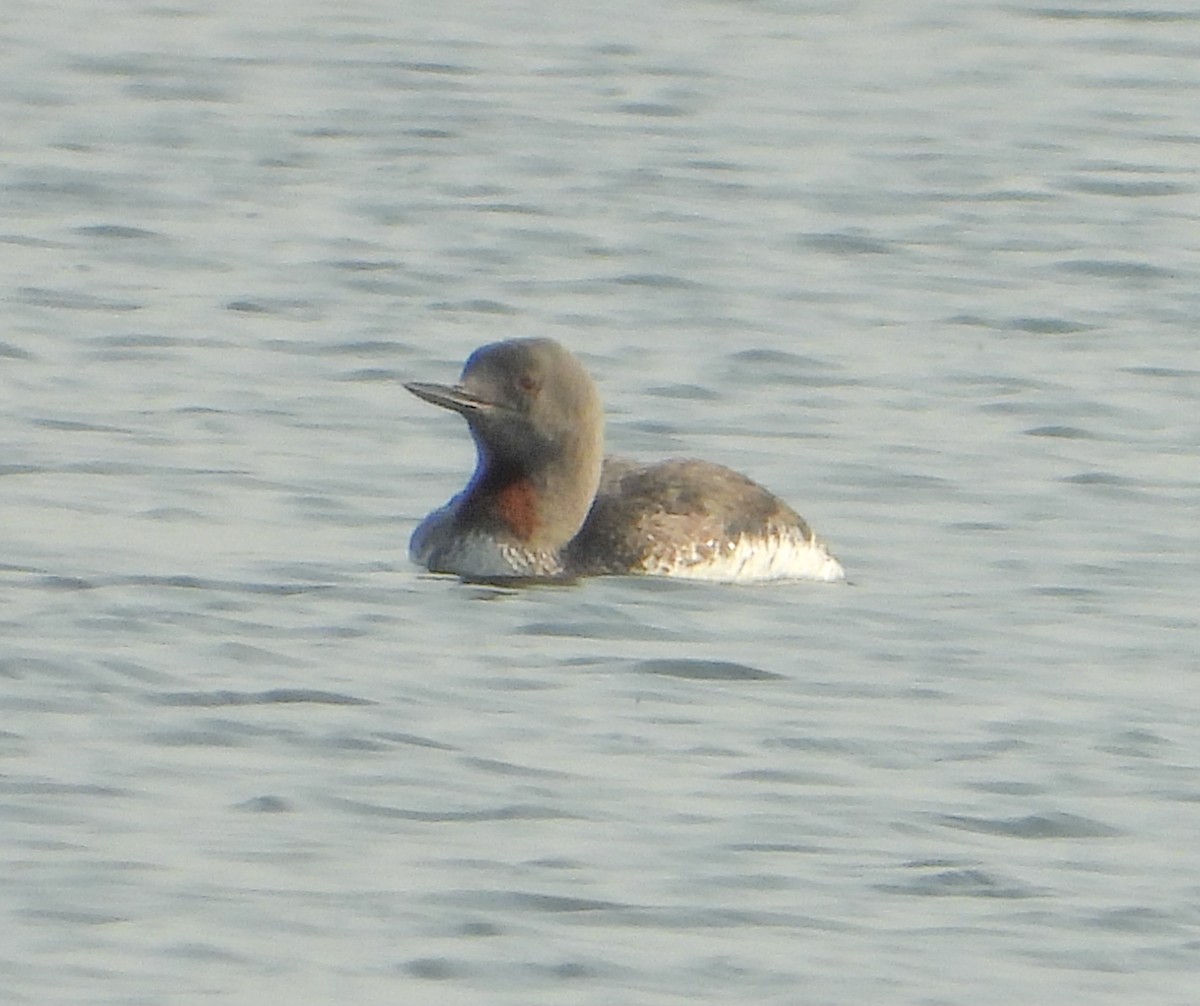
(704, 670)
(1036, 826)
(274, 696)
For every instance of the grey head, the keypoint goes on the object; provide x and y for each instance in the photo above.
(538, 427)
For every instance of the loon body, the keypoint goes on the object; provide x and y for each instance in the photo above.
(544, 501)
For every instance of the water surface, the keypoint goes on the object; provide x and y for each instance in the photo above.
(930, 272)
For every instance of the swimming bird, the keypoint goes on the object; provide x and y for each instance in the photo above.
(544, 501)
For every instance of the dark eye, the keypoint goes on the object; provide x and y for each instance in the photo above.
(526, 382)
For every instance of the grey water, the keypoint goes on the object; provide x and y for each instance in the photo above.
(930, 271)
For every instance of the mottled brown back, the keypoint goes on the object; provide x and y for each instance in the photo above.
(680, 510)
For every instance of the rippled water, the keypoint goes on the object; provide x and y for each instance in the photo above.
(928, 271)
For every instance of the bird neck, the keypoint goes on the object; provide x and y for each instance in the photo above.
(539, 506)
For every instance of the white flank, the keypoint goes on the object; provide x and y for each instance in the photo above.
(754, 560)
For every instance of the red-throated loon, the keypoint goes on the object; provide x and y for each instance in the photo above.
(545, 502)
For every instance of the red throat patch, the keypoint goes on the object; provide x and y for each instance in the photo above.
(517, 506)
